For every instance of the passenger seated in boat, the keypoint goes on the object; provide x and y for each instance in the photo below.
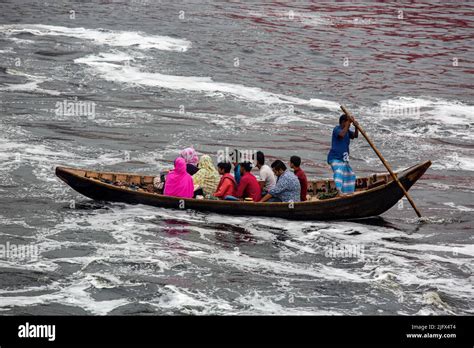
(338, 156)
(178, 182)
(227, 185)
(295, 163)
(191, 158)
(248, 186)
(236, 157)
(287, 187)
(207, 177)
(266, 173)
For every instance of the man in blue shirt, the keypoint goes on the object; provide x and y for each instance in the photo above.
(287, 187)
(338, 156)
(236, 162)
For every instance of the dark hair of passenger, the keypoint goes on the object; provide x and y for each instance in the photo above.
(278, 165)
(296, 160)
(343, 119)
(260, 158)
(247, 166)
(226, 166)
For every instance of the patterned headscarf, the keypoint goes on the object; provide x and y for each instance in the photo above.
(190, 156)
(207, 177)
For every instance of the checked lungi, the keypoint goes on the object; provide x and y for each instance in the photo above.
(344, 177)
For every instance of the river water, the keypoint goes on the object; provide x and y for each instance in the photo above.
(158, 76)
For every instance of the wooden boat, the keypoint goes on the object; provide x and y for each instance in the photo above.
(374, 195)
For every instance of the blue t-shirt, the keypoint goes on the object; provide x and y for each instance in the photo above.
(237, 173)
(339, 147)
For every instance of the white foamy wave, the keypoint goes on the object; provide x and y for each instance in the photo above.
(453, 161)
(135, 76)
(15, 154)
(195, 303)
(269, 305)
(447, 111)
(21, 41)
(7, 50)
(102, 36)
(75, 294)
(458, 207)
(115, 56)
(30, 87)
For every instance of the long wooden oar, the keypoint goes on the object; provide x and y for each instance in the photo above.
(394, 176)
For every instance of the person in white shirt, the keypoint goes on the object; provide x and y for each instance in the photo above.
(266, 173)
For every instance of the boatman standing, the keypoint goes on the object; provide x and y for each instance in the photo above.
(338, 156)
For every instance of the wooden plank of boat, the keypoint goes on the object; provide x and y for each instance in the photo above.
(374, 195)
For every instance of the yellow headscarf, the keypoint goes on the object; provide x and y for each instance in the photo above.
(207, 176)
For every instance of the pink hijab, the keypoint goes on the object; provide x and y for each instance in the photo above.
(178, 182)
(190, 156)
